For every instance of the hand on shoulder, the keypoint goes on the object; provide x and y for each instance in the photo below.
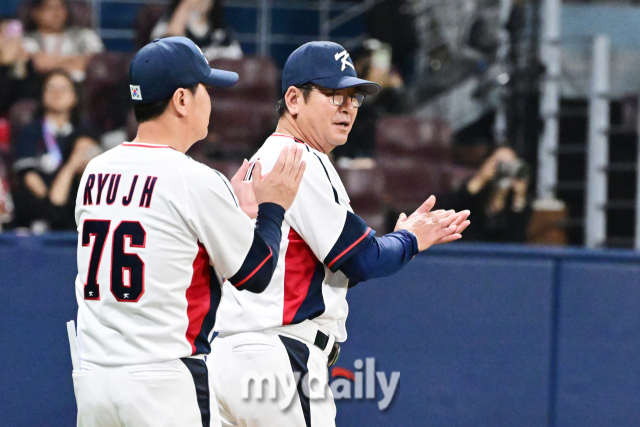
(281, 184)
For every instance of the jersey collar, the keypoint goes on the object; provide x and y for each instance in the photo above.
(143, 145)
(299, 141)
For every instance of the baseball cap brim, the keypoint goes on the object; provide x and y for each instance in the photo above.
(342, 82)
(221, 78)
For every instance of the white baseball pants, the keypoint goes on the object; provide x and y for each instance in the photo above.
(262, 379)
(169, 394)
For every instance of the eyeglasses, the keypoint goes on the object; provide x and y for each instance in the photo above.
(339, 98)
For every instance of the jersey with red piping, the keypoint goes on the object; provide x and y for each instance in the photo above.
(319, 233)
(156, 232)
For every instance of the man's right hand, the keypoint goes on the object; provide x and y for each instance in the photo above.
(461, 222)
(434, 228)
(281, 185)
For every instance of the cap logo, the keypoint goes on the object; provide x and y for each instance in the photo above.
(135, 92)
(203, 57)
(344, 55)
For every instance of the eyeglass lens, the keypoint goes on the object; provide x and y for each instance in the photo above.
(356, 99)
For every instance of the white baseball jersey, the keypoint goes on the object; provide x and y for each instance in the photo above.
(151, 223)
(319, 233)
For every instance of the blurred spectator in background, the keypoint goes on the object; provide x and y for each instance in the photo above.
(18, 79)
(6, 201)
(497, 196)
(373, 62)
(6, 208)
(50, 155)
(203, 22)
(54, 43)
(392, 21)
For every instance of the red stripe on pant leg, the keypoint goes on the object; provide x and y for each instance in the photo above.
(299, 263)
(198, 295)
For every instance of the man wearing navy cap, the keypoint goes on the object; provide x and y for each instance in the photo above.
(157, 233)
(288, 335)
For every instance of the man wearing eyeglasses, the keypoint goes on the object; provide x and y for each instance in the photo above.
(286, 337)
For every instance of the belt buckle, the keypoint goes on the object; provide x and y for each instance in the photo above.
(334, 354)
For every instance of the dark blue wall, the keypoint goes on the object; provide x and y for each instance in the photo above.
(37, 298)
(470, 336)
(481, 335)
(9, 7)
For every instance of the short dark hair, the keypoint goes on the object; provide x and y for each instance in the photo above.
(75, 115)
(30, 24)
(281, 106)
(215, 16)
(151, 110)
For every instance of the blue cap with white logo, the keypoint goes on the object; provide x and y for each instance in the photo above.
(325, 64)
(164, 65)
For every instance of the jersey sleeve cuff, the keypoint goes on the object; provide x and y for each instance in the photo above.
(415, 250)
(249, 276)
(355, 236)
(256, 270)
(273, 211)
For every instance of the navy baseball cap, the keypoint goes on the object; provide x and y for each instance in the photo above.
(325, 64)
(164, 65)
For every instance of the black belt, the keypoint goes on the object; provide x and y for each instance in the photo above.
(321, 342)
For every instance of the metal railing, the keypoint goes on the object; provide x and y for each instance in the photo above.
(598, 145)
(550, 52)
(598, 203)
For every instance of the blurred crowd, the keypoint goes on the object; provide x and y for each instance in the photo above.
(64, 99)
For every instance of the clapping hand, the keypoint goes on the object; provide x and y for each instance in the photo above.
(447, 225)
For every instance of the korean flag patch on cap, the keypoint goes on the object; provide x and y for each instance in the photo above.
(135, 92)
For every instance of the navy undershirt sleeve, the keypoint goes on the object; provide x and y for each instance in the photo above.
(261, 261)
(269, 225)
(381, 257)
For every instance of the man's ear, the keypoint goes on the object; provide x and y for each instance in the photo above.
(179, 102)
(293, 97)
